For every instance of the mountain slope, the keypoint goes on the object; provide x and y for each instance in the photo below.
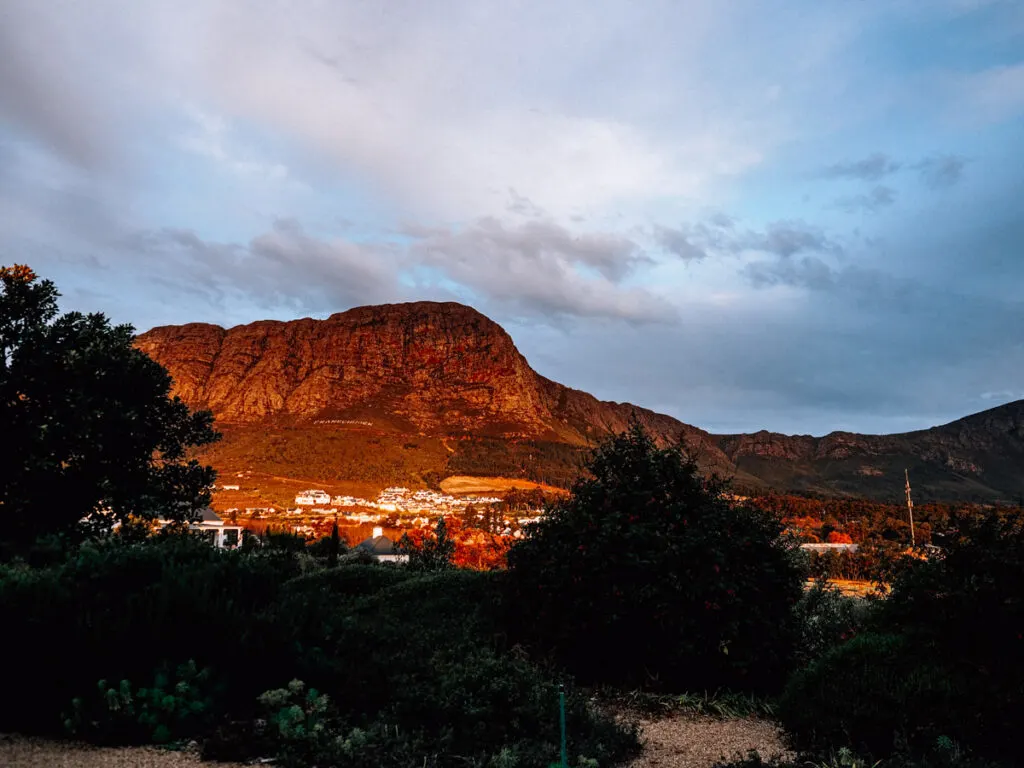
(363, 381)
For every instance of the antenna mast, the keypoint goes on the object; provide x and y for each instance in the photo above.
(910, 509)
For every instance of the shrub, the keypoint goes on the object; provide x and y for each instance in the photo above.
(115, 610)
(647, 575)
(825, 620)
(172, 708)
(951, 661)
(872, 693)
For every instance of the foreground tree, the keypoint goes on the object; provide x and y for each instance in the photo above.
(92, 432)
(647, 575)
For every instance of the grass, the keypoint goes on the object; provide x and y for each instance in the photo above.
(720, 704)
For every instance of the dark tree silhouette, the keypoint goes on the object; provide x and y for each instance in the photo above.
(93, 433)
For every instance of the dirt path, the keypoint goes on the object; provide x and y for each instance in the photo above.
(682, 741)
(673, 742)
(21, 752)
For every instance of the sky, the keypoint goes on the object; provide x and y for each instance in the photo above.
(795, 216)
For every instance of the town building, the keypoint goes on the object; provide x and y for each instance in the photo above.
(309, 498)
(382, 547)
(212, 527)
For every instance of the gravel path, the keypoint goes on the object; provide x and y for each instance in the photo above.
(22, 752)
(677, 741)
(699, 742)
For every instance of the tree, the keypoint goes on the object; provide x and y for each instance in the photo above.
(95, 436)
(429, 553)
(647, 575)
(335, 547)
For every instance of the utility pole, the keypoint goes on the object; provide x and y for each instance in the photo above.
(910, 509)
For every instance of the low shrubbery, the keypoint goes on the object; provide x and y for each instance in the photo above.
(174, 707)
(396, 667)
(943, 657)
(826, 619)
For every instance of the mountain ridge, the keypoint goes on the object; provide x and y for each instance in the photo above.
(444, 369)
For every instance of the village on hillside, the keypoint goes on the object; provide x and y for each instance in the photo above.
(396, 508)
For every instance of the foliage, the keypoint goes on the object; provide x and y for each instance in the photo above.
(429, 553)
(96, 432)
(871, 693)
(724, 704)
(299, 723)
(171, 709)
(471, 547)
(826, 619)
(647, 575)
(942, 657)
(415, 667)
(114, 610)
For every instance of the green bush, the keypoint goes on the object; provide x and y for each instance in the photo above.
(945, 658)
(116, 610)
(171, 709)
(825, 620)
(415, 668)
(872, 693)
(347, 581)
(647, 575)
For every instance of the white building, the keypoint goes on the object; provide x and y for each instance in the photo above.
(829, 547)
(309, 498)
(229, 487)
(213, 529)
(382, 547)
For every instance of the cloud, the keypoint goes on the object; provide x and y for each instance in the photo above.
(538, 269)
(678, 243)
(719, 234)
(941, 171)
(808, 272)
(787, 238)
(522, 206)
(878, 198)
(871, 168)
(544, 269)
(209, 137)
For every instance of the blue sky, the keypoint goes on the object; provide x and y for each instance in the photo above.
(799, 216)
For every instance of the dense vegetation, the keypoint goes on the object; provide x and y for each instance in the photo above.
(91, 430)
(645, 576)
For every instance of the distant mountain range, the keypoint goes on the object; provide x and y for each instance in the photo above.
(419, 391)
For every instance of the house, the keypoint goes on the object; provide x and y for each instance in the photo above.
(212, 527)
(229, 487)
(309, 498)
(382, 547)
(829, 547)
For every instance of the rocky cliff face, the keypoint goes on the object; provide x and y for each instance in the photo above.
(427, 367)
(445, 369)
(434, 366)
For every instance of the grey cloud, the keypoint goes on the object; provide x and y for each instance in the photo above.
(522, 205)
(46, 89)
(871, 168)
(543, 268)
(719, 234)
(941, 171)
(878, 198)
(677, 242)
(808, 272)
(787, 238)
